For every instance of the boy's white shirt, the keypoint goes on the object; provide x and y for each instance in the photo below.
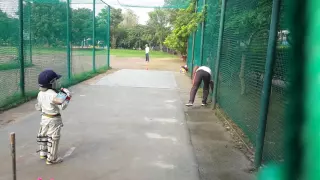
(45, 103)
(147, 50)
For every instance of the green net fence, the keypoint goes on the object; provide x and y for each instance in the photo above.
(190, 53)
(242, 63)
(73, 38)
(198, 37)
(273, 144)
(54, 34)
(242, 66)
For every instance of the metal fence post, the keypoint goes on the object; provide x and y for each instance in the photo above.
(21, 49)
(30, 41)
(193, 43)
(202, 36)
(217, 68)
(68, 41)
(264, 104)
(108, 37)
(94, 37)
(310, 137)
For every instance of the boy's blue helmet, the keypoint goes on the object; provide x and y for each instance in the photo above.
(47, 78)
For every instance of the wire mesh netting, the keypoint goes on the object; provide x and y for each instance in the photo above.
(273, 144)
(49, 35)
(174, 4)
(242, 66)
(189, 53)
(242, 62)
(53, 29)
(211, 34)
(9, 51)
(198, 37)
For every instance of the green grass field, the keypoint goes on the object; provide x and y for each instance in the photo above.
(88, 52)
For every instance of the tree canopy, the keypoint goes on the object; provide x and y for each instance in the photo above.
(186, 21)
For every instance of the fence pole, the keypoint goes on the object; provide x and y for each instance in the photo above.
(217, 68)
(193, 43)
(69, 41)
(30, 41)
(311, 144)
(21, 50)
(13, 154)
(108, 37)
(202, 36)
(264, 104)
(94, 37)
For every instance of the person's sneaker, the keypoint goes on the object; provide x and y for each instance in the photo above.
(203, 104)
(189, 104)
(43, 157)
(58, 160)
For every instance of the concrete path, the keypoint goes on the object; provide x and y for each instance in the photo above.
(130, 125)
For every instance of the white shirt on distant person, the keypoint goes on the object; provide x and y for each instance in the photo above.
(147, 50)
(204, 68)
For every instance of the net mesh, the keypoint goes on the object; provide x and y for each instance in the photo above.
(44, 45)
(189, 53)
(9, 51)
(173, 4)
(242, 66)
(242, 62)
(198, 37)
(273, 144)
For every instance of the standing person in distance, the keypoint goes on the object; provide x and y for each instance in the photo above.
(51, 122)
(202, 73)
(147, 49)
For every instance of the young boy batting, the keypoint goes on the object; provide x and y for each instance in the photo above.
(50, 103)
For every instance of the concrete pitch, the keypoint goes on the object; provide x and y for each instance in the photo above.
(140, 78)
(112, 130)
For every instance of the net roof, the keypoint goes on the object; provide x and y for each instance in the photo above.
(173, 4)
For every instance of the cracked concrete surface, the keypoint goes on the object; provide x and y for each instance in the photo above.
(128, 126)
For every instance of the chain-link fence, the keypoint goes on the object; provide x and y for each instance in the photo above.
(70, 38)
(73, 38)
(243, 55)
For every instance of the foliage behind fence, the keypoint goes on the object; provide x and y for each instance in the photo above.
(41, 34)
(242, 66)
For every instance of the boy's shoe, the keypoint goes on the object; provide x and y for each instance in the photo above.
(43, 157)
(203, 104)
(189, 104)
(58, 160)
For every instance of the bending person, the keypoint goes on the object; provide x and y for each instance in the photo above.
(202, 73)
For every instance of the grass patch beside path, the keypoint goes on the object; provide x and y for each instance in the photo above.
(138, 53)
(10, 66)
(88, 52)
(17, 99)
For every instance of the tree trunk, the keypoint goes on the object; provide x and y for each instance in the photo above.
(241, 75)
(161, 48)
(114, 42)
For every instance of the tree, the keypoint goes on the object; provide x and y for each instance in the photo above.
(186, 22)
(130, 19)
(159, 21)
(81, 25)
(249, 23)
(9, 29)
(49, 23)
(115, 19)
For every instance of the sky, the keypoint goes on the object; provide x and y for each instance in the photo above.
(141, 12)
(11, 6)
